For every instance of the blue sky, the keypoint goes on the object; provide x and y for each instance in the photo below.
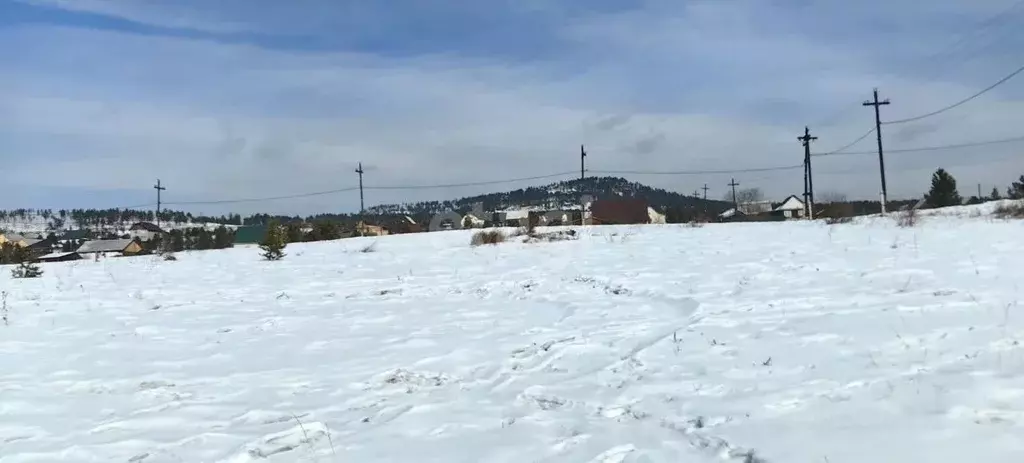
(252, 98)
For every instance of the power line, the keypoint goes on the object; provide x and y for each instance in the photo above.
(459, 185)
(848, 145)
(697, 172)
(267, 198)
(978, 30)
(344, 190)
(929, 148)
(958, 103)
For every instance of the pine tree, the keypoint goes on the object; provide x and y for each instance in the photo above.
(274, 243)
(26, 268)
(943, 192)
(995, 196)
(1016, 190)
(222, 238)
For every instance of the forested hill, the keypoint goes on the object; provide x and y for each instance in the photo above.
(555, 196)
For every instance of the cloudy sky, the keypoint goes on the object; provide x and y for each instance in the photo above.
(258, 98)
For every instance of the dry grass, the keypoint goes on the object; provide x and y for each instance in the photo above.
(487, 237)
(566, 235)
(906, 218)
(1013, 210)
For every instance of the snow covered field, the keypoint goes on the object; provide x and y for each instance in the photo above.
(779, 342)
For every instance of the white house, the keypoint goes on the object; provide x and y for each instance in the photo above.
(791, 208)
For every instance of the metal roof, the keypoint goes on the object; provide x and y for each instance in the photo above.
(104, 246)
(56, 255)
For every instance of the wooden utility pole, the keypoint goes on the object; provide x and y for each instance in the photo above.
(806, 139)
(583, 174)
(158, 200)
(705, 191)
(359, 171)
(878, 136)
(583, 165)
(735, 205)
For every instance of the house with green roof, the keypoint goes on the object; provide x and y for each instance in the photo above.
(250, 234)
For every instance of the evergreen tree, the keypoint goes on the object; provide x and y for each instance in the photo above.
(203, 239)
(177, 240)
(943, 192)
(1016, 190)
(294, 232)
(995, 194)
(222, 238)
(274, 242)
(26, 268)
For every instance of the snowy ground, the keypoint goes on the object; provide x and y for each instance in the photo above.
(799, 342)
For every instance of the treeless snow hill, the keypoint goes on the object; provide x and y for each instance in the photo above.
(773, 342)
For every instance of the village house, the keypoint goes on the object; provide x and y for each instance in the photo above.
(250, 234)
(364, 229)
(125, 247)
(59, 257)
(404, 224)
(791, 208)
(145, 231)
(12, 238)
(625, 211)
(512, 218)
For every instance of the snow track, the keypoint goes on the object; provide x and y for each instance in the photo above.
(728, 343)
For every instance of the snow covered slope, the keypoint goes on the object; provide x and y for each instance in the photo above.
(777, 342)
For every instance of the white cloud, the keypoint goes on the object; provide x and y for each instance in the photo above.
(705, 88)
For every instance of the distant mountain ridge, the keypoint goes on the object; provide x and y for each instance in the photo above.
(560, 195)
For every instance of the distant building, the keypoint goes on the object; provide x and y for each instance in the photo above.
(12, 238)
(791, 208)
(145, 231)
(75, 235)
(620, 211)
(59, 257)
(250, 234)
(404, 224)
(125, 247)
(365, 229)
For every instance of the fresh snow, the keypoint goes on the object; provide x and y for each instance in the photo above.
(771, 342)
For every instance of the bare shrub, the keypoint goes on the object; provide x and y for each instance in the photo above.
(694, 224)
(1013, 210)
(372, 247)
(487, 237)
(564, 235)
(170, 257)
(907, 218)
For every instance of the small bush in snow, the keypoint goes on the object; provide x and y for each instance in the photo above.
(487, 237)
(907, 218)
(372, 247)
(26, 268)
(565, 235)
(170, 257)
(1010, 211)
